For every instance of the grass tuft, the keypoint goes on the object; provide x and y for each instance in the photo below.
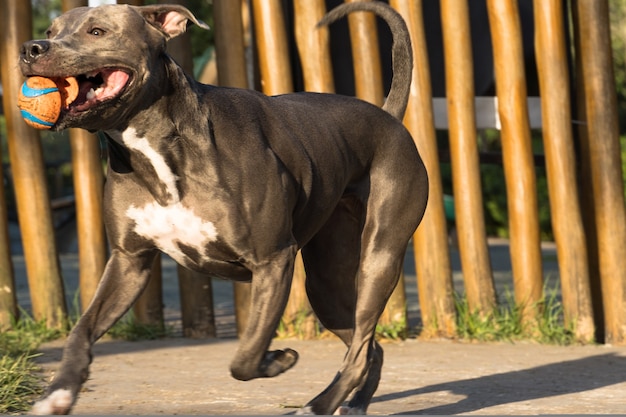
(505, 322)
(129, 329)
(20, 382)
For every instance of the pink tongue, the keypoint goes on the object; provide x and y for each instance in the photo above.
(114, 81)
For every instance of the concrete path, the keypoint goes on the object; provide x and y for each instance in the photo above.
(182, 376)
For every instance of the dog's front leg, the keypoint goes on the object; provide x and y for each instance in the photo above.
(124, 279)
(271, 283)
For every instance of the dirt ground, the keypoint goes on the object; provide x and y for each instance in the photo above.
(191, 377)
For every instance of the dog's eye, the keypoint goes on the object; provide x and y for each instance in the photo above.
(97, 32)
(48, 33)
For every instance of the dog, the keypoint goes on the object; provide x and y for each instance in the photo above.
(232, 183)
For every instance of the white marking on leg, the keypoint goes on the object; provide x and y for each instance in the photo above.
(59, 402)
(165, 174)
(170, 226)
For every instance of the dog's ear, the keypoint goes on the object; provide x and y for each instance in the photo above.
(171, 19)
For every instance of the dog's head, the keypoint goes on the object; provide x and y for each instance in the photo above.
(111, 50)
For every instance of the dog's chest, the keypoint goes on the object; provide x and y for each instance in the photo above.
(175, 229)
(169, 223)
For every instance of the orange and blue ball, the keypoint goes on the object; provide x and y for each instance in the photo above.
(41, 99)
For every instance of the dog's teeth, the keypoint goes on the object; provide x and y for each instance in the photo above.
(91, 94)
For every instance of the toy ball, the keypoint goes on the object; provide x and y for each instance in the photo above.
(41, 99)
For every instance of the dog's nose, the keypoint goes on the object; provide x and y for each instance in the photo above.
(32, 50)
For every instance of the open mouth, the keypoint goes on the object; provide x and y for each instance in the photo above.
(97, 87)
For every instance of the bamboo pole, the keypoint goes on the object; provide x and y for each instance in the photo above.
(195, 289)
(314, 53)
(313, 46)
(517, 156)
(276, 79)
(42, 264)
(148, 308)
(369, 87)
(586, 179)
(470, 221)
(8, 299)
(602, 157)
(229, 44)
(271, 41)
(430, 242)
(9, 311)
(550, 47)
(88, 189)
(366, 56)
(231, 72)
(196, 303)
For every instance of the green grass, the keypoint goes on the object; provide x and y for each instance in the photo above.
(20, 382)
(505, 322)
(397, 330)
(129, 329)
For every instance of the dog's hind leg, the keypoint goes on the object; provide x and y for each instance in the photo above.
(124, 279)
(271, 281)
(332, 262)
(393, 209)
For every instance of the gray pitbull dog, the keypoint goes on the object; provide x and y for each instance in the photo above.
(233, 183)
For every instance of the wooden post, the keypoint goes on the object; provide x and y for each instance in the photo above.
(196, 303)
(231, 72)
(366, 56)
(432, 256)
(229, 44)
(470, 221)
(8, 298)
(148, 308)
(566, 214)
(585, 176)
(42, 264)
(313, 46)
(369, 87)
(271, 41)
(518, 160)
(602, 157)
(276, 79)
(88, 188)
(195, 289)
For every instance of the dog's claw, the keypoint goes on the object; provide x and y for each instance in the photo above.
(278, 361)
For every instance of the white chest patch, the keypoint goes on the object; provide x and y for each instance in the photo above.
(166, 176)
(172, 226)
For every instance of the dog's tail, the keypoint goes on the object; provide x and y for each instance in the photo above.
(401, 52)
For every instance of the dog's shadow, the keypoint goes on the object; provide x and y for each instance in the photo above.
(569, 377)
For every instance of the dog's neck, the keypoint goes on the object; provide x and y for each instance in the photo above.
(149, 143)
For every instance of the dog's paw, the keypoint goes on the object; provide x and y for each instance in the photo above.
(58, 402)
(349, 411)
(278, 361)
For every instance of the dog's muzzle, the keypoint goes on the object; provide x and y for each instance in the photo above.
(33, 50)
